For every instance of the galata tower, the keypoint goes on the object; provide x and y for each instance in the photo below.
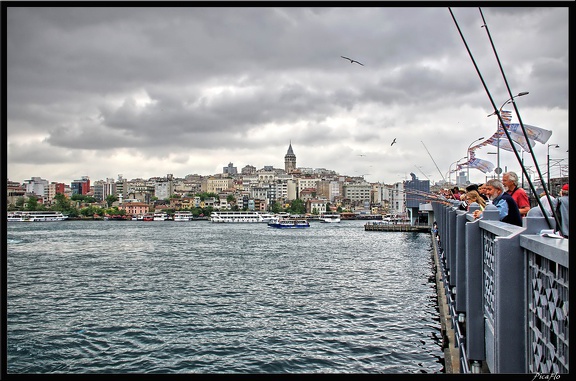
(290, 160)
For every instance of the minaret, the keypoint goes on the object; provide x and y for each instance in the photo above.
(290, 160)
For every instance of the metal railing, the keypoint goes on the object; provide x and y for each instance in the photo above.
(508, 291)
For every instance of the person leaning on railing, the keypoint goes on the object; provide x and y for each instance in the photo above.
(510, 182)
(562, 210)
(506, 205)
(474, 196)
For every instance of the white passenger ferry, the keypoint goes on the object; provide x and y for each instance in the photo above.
(330, 218)
(244, 217)
(161, 216)
(33, 216)
(183, 215)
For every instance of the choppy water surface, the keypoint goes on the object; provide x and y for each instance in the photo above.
(197, 297)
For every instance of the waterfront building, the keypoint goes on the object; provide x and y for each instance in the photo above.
(120, 189)
(248, 170)
(316, 206)
(334, 190)
(398, 200)
(134, 208)
(163, 188)
(36, 186)
(15, 190)
(357, 192)
(416, 190)
(215, 185)
(103, 189)
(230, 169)
(51, 190)
(306, 183)
(81, 186)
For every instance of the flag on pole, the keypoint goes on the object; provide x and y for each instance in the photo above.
(506, 116)
(505, 145)
(534, 133)
(477, 163)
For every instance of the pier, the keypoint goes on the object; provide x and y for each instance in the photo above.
(380, 226)
(503, 293)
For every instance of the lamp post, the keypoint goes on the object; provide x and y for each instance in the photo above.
(555, 146)
(450, 168)
(522, 153)
(498, 170)
(468, 158)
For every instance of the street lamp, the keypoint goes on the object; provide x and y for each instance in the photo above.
(498, 170)
(555, 146)
(468, 158)
(450, 168)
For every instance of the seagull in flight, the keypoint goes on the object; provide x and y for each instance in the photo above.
(393, 141)
(361, 155)
(352, 61)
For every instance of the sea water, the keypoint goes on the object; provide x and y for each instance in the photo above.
(197, 297)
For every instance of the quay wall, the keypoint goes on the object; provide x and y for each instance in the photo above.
(503, 293)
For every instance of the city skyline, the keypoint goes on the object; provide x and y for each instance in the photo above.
(144, 92)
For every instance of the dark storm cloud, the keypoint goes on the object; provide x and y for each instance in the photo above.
(152, 82)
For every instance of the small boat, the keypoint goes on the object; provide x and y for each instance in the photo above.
(148, 217)
(330, 218)
(289, 223)
(183, 216)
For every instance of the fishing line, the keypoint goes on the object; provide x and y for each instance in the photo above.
(535, 162)
(497, 112)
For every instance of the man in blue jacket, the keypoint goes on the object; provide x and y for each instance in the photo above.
(506, 205)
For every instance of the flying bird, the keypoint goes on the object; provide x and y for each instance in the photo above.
(393, 141)
(352, 61)
(361, 155)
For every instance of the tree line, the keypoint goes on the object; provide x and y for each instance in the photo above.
(86, 206)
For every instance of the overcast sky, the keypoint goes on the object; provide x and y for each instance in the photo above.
(146, 92)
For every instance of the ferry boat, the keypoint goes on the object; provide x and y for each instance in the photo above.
(241, 216)
(32, 216)
(330, 218)
(183, 216)
(161, 216)
(289, 223)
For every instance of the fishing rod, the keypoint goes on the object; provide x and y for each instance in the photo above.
(554, 214)
(428, 196)
(497, 112)
(420, 169)
(433, 161)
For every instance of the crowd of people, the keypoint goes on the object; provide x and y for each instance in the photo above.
(512, 201)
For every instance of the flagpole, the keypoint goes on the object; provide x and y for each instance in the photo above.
(468, 157)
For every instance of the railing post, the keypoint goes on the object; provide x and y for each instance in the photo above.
(504, 294)
(459, 272)
(451, 247)
(475, 345)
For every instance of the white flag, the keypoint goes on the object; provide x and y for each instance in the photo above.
(534, 133)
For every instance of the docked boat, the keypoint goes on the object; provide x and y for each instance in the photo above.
(241, 217)
(148, 217)
(330, 218)
(161, 216)
(289, 223)
(34, 216)
(183, 216)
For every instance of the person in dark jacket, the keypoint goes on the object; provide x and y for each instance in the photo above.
(506, 205)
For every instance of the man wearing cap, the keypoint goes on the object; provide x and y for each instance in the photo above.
(562, 210)
(510, 181)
